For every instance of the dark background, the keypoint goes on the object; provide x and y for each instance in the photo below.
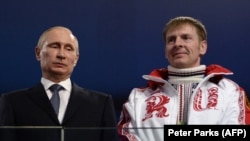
(120, 40)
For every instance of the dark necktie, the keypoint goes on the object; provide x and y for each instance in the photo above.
(55, 99)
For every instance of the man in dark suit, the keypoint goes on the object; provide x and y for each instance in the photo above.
(83, 114)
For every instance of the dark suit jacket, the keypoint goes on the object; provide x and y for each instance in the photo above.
(90, 115)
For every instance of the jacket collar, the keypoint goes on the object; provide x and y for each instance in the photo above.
(159, 76)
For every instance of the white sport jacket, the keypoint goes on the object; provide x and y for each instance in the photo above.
(216, 100)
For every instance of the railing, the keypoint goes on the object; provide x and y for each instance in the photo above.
(52, 133)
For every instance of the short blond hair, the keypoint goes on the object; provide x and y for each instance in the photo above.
(181, 20)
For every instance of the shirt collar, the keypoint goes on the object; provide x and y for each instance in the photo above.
(47, 83)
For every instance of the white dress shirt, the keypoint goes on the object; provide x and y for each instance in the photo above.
(63, 94)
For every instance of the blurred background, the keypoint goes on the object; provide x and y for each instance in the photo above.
(120, 40)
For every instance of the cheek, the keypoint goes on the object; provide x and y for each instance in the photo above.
(72, 58)
(45, 57)
(72, 62)
(167, 52)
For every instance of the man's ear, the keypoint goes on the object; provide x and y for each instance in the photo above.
(203, 47)
(37, 53)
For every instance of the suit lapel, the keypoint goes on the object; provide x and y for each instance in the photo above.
(39, 96)
(74, 102)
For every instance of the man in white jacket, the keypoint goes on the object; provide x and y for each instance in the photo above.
(186, 92)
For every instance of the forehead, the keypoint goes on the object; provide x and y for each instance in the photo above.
(182, 29)
(59, 35)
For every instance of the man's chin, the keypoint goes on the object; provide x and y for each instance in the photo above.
(180, 65)
(59, 71)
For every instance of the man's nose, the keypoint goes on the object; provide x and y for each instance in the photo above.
(61, 53)
(178, 42)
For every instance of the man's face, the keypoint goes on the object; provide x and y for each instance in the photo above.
(58, 54)
(183, 47)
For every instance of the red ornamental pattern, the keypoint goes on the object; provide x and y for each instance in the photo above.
(212, 99)
(156, 104)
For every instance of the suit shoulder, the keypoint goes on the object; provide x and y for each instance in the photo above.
(95, 92)
(16, 92)
(90, 92)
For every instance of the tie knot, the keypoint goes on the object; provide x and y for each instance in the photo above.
(55, 87)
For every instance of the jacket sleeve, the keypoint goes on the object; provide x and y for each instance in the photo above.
(247, 108)
(126, 126)
(109, 120)
(234, 104)
(6, 114)
(6, 119)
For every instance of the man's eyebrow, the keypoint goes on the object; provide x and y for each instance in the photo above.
(53, 43)
(58, 43)
(185, 34)
(171, 36)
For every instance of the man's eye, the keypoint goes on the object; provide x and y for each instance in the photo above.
(186, 37)
(170, 40)
(54, 46)
(69, 48)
